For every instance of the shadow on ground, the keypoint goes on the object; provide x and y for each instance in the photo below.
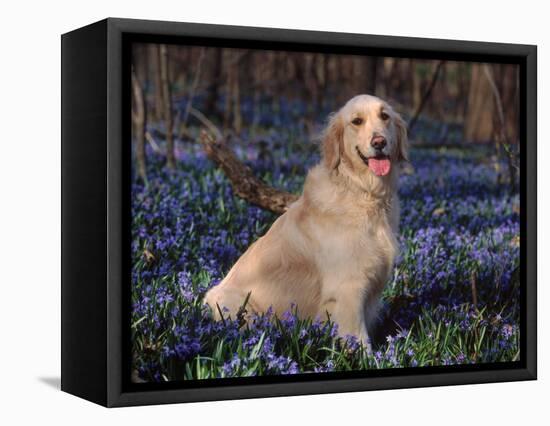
(54, 382)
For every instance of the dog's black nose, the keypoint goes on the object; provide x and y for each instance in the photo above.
(378, 142)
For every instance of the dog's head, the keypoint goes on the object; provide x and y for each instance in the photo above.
(366, 136)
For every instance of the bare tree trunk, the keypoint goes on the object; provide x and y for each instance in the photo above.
(440, 94)
(426, 96)
(191, 92)
(141, 66)
(232, 117)
(478, 126)
(357, 73)
(416, 89)
(155, 61)
(213, 88)
(228, 86)
(463, 87)
(320, 77)
(259, 61)
(507, 81)
(167, 107)
(371, 74)
(139, 119)
(391, 71)
(502, 137)
(236, 95)
(305, 72)
(276, 88)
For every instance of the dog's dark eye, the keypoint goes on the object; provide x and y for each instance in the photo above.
(384, 116)
(357, 121)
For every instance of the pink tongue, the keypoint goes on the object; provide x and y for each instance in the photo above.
(379, 166)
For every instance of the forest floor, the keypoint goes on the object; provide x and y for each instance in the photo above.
(459, 237)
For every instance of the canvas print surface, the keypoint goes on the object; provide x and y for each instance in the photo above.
(297, 213)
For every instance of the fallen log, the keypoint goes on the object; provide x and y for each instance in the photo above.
(245, 185)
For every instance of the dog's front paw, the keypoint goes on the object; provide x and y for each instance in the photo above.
(365, 341)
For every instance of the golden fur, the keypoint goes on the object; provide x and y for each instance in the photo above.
(333, 250)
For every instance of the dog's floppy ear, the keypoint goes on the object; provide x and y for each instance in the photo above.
(402, 140)
(332, 139)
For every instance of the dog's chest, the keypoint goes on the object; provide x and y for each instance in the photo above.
(359, 251)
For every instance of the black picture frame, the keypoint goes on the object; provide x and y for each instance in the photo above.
(95, 210)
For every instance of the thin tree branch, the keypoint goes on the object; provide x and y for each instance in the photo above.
(496, 94)
(167, 106)
(206, 123)
(139, 116)
(503, 134)
(426, 96)
(192, 89)
(152, 142)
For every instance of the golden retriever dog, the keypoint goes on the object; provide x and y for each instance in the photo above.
(333, 250)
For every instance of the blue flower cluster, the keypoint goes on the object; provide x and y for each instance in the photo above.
(453, 298)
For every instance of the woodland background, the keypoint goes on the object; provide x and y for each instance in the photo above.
(176, 87)
(222, 141)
